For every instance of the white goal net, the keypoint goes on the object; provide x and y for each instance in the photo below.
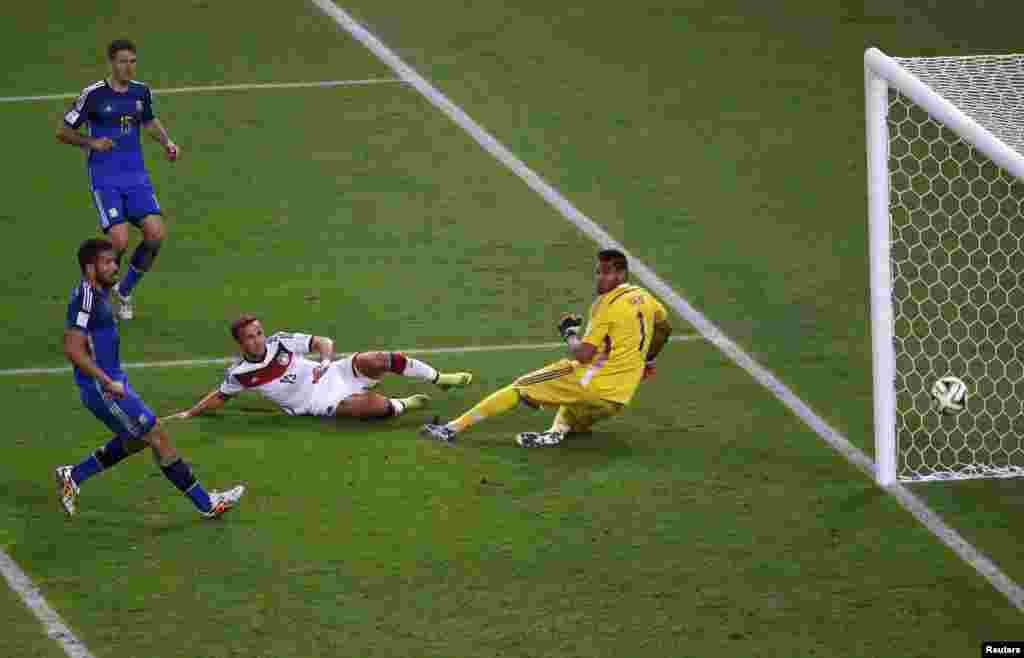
(950, 141)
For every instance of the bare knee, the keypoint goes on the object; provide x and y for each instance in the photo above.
(119, 238)
(366, 405)
(153, 229)
(160, 441)
(372, 364)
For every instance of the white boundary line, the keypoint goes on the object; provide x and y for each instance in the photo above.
(218, 88)
(23, 586)
(56, 629)
(981, 563)
(228, 359)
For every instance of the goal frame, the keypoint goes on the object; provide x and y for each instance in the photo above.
(881, 73)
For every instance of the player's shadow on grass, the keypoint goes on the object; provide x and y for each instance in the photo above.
(262, 418)
(577, 451)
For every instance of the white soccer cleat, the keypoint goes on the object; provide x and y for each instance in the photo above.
(539, 439)
(126, 310)
(222, 501)
(438, 432)
(67, 489)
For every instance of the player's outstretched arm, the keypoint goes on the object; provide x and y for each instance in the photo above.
(215, 400)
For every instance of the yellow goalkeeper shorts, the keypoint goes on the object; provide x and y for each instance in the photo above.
(558, 385)
(581, 417)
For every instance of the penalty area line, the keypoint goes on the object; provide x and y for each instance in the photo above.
(220, 88)
(228, 359)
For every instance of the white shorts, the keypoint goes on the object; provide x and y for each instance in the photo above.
(341, 382)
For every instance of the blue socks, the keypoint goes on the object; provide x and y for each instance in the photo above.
(104, 458)
(142, 261)
(89, 467)
(130, 280)
(180, 474)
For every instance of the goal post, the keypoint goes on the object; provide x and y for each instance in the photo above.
(945, 137)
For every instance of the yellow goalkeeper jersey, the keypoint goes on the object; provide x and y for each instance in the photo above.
(620, 327)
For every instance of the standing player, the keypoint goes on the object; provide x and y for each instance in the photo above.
(627, 330)
(114, 110)
(92, 344)
(274, 366)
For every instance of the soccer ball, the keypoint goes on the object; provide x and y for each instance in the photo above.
(950, 393)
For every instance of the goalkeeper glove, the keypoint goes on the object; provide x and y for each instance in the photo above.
(570, 325)
(649, 369)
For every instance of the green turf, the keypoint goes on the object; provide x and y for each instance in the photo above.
(24, 635)
(651, 536)
(723, 146)
(323, 225)
(62, 46)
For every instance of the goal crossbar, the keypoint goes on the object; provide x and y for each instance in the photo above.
(882, 75)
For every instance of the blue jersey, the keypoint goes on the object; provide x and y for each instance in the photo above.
(91, 313)
(119, 116)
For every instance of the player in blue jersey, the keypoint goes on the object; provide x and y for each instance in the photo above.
(114, 110)
(92, 344)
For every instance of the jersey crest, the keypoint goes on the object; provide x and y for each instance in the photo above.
(265, 373)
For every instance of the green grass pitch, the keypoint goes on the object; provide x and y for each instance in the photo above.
(723, 146)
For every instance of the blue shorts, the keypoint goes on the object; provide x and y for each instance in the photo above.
(129, 418)
(118, 205)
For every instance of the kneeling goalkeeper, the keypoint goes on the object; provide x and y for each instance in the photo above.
(627, 330)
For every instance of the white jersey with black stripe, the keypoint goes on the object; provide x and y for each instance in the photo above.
(282, 376)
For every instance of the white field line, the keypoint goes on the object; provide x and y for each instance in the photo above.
(23, 586)
(981, 563)
(56, 629)
(218, 88)
(341, 355)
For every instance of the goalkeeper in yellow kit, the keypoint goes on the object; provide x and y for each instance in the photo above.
(628, 328)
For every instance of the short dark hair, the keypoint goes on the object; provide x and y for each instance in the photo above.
(117, 45)
(91, 250)
(243, 320)
(615, 257)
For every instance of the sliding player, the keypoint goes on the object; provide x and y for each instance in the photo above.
(274, 366)
(627, 330)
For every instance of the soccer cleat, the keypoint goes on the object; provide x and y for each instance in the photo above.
(67, 489)
(126, 310)
(417, 401)
(222, 501)
(449, 380)
(539, 439)
(439, 432)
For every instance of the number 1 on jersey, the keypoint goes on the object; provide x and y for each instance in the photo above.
(643, 331)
